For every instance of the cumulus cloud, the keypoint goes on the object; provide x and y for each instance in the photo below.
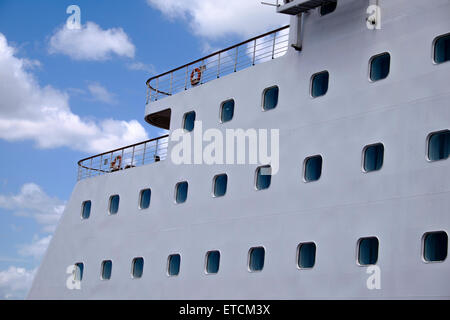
(36, 248)
(218, 18)
(139, 66)
(91, 43)
(32, 201)
(101, 94)
(15, 282)
(42, 114)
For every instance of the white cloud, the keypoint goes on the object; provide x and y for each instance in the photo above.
(218, 18)
(15, 282)
(36, 248)
(100, 93)
(42, 114)
(91, 43)
(33, 202)
(139, 66)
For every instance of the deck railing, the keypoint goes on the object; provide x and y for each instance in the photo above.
(262, 48)
(135, 155)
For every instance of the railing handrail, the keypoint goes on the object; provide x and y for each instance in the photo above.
(131, 156)
(120, 149)
(215, 53)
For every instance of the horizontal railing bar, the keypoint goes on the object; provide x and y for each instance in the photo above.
(120, 149)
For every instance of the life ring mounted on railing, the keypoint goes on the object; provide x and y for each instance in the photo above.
(116, 164)
(196, 75)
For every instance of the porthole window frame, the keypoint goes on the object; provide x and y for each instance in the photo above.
(297, 260)
(140, 199)
(206, 262)
(109, 205)
(214, 185)
(133, 261)
(363, 157)
(370, 66)
(264, 98)
(183, 122)
(304, 168)
(433, 49)
(249, 259)
(176, 192)
(82, 210)
(221, 110)
(427, 147)
(255, 182)
(75, 265)
(422, 253)
(311, 85)
(358, 243)
(102, 268)
(168, 265)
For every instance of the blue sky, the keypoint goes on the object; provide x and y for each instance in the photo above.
(65, 96)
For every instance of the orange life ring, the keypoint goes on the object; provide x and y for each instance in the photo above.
(195, 80)
(116, 163)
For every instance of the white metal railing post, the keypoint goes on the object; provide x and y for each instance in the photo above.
(235, 59)
(101, 163)
(132, 156)
(143, 154)
(202, 68)
(186, 80)
(121, 159)
(273, 47)
(157, 88)
(254, 52)
(218, 67)
(90, 168)
(171, 83)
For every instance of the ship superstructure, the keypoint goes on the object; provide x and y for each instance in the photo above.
(358, 208)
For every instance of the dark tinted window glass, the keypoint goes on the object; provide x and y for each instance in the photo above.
(138, 267)
(379, 67)
(174, 265)
(373, 157)
(435, 246)
(145, 198)
(442, 49)
(263, 177)
(220, 185)
(227, 111)
(181, 192)
(270, 98)
(368, 251)
(86, 212)
(212, 262)
(189, 121)
(439, 145)
(306, 255)
(114, 204)
(313, 168)
(256, 261)
(319, 85)
(328, 8)
(106, 269)
(78, 272)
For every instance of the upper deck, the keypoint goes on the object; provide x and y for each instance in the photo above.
(243, 55)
